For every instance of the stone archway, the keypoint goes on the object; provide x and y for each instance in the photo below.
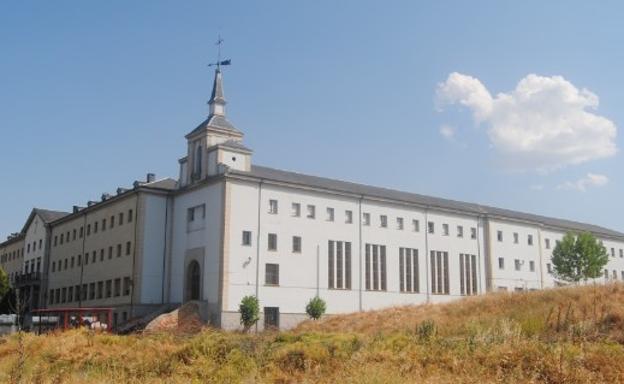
(193, 281)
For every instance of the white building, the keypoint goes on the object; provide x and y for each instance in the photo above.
(229, 228)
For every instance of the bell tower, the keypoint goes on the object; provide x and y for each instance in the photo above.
(216, 144)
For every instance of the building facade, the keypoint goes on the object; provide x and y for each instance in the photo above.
(228, 228)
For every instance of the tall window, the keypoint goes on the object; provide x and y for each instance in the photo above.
(399, 221)
(311, 211)
(460, 231)
(439, 273)
(330, 214)
(296, 244)
(339, 264)
(468, 274)
(383, 221)
(408, 270)
(365, 218)
(246, 237)
(375, 267)
(349, 217)
(499, 235)
(530, 239)
(431, 227)
(547, 243)
(272, 243)
(416, 225)
(501, 263)
(271, 275)
(198, 161)
(473, 233)
(515, 236)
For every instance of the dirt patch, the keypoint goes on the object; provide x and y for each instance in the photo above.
(184, 319)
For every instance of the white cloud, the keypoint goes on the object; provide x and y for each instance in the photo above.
(447, 132)
(545, 123)
(591, 180)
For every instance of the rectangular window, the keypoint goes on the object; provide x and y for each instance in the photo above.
(399, 223)
(100, 289)
(415, 225)
(375, 267)
(109, 288)
(103, 224)
(612, 252)
(118, 250)
(130, 216)
(473, 233)
(271, 276)
(128, 248)
(501, 263)
(468, 274)
(95, 227)
(445, 229)
(431, 227)
(621, 252)
(311, 211)
(330, 214)
(366, 218)
(88, 229)
(73, 237)
(55, 240)
(532, 266)
(348, 217)
(83, 292)
(296, 210)
(383, 221)
(499, 235)
(117, 287)
(121, 217)
(54, 266)
(515, 237)
(439, 273)
(63, 295)
(71, 262)
(247, 238)
(101, 255)
(517, 264)
(62, 236)
(112, 221)
(126, 286)
(549, 268)
(91, 291)
(80, 234)
(273, 207)
(460, 231)
(70, 294)
(530, 239)
(547, 243)
(272, 244)
(339, 264)
(409, 270)
(271, 318)
(110, 252)
(296, 244)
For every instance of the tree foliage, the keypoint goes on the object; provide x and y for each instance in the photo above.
(579, 257)
(4, 283)
(316, 308)
(249, 309)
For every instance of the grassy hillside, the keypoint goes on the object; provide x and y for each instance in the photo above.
(572, 335)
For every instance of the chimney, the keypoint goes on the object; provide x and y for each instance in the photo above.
(75, 209)
(105, 196)
(151, 177)
(91, 202)
(121, 190)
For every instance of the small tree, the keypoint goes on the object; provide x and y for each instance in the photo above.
(249, 309)
(316, 308)
(579, 257)
(4, 283)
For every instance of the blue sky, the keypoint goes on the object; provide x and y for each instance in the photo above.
(95, 94)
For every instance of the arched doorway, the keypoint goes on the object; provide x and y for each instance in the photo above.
(193, 281)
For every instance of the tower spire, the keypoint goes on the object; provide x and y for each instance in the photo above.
(217, 100)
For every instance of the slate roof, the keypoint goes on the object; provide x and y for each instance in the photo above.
(167, 183)
(215, 121)
(235, 145)
(49, 216)
(412, 198)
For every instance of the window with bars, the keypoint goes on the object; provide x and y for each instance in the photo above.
(439, 273)
(272, 242)
(296, 244)
(271, 274)
(339, 264)
(409, 270)
(375, 267)
(468, 274)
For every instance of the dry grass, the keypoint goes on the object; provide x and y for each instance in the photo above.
(572, 335)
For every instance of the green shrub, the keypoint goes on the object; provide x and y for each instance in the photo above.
(426, 330)
(316, 308)
(249, 309)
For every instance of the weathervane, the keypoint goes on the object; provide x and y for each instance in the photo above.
(220, 62)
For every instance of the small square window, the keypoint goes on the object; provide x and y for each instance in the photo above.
(348, 217)
(296, 210)
(330, 214)
(399, 222)
(383, 221)
(246, 237)
(273, 207)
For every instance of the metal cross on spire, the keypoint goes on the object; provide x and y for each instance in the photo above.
(220, 62)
